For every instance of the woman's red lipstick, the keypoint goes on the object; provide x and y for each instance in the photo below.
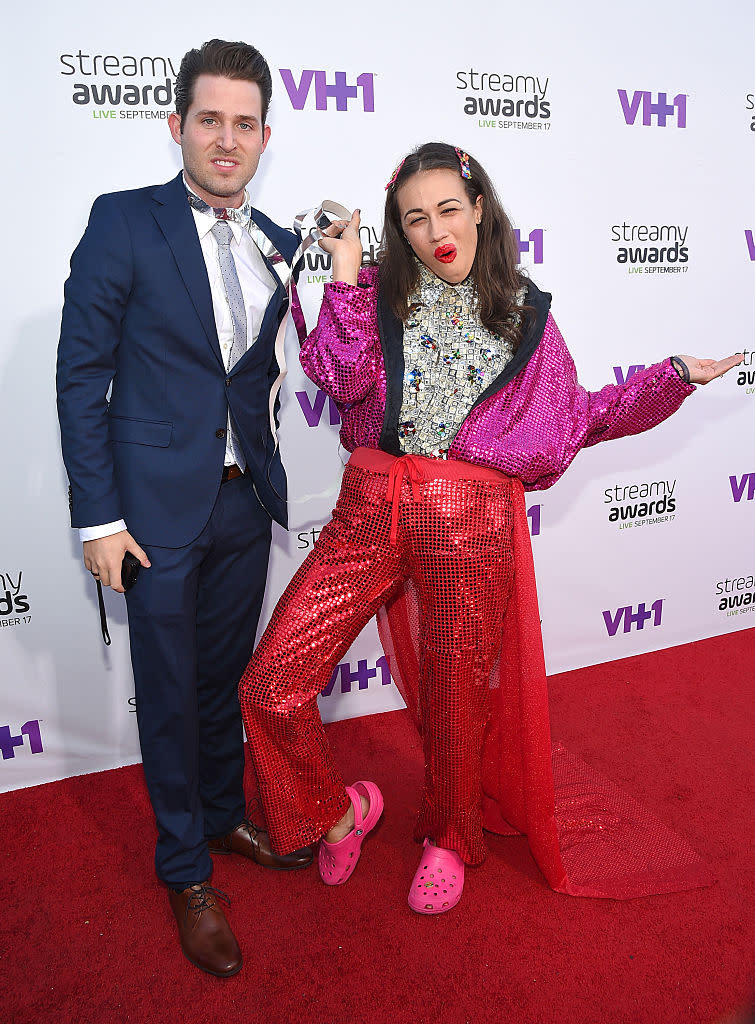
(445, 253)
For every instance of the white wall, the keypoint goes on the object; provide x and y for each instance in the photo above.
(568, 178)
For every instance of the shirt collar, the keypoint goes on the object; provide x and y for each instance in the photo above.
(430, 287)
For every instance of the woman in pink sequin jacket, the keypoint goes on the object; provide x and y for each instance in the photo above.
(456, 391)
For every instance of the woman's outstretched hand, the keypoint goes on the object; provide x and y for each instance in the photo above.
(703, 370)
(343, 243)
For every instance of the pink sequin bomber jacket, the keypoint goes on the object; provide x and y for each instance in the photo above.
(529, 423)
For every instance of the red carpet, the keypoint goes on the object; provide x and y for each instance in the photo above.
(86, 934)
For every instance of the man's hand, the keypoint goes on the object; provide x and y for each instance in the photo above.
(104, 557)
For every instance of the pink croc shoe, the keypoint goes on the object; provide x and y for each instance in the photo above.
(337, 861)
(438, 881)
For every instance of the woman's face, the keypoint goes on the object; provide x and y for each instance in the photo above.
(440, 222)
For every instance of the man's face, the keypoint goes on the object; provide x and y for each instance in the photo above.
(222, 138)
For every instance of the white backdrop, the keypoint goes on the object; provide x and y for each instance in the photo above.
(553, 103)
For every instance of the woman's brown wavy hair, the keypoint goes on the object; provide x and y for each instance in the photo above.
(494, 272)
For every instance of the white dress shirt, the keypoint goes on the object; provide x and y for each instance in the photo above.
(257, 286)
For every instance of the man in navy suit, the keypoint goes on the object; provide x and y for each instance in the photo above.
(172, 304)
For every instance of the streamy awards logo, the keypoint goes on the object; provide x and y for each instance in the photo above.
(503, 100)
(648, 503)
(745, 372)
(651, 248)
(736, 595)
(15, 608)
(317, 263)
(120, 88)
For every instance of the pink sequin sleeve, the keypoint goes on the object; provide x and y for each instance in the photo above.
(535, 426)
(618, 410)
(342, 355)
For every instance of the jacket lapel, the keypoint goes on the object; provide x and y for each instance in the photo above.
(391, 332)
(174, 217)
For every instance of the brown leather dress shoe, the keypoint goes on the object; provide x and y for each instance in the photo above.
(206, 937)
(253, 842)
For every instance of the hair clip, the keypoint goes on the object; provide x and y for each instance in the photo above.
(464, 161)
(395, 175)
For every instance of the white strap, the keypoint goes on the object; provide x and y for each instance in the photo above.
(314, 222)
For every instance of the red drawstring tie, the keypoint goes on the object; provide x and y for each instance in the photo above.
(405, 465)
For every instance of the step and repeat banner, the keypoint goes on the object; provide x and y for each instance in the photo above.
(622, 143)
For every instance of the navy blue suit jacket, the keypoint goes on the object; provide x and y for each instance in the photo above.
(138, 312)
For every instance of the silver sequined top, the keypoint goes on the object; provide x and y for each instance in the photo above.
(449, 360)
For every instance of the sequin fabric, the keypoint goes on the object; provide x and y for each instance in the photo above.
(449, 360)
(448, 528)
(531, 428)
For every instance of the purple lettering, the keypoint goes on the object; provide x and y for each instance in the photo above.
(662, 109)
(366, 84)
(533, 514)
(8, 742)
(738, 486)
(31, 730)
(385, 672)
(639, 618)
(297, 93)
(628, 108)
(335, 416)
(621, 377)
(328, 688)
(612, 621)
(312, 413)
(361, 676)
(750, 243)
(340, 91)
(535, 238)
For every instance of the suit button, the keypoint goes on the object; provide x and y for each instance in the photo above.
(220, 432)
(228, 382)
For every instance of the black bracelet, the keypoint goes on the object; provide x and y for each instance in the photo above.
(681, 368)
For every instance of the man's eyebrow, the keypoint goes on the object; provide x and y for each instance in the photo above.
(218, 113)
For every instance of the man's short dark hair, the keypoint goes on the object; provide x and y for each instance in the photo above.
(228, 60)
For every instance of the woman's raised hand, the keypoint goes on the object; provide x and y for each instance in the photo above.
(703, 370)
(343, 243)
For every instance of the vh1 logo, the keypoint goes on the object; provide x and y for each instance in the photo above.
(533, 244)
(622, 375)
(362, 677)
(339, 90)
(660, 109)
(633, 619)
(313, 410)
(29, 731)
(741, 484)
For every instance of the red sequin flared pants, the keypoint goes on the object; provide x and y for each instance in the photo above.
(446, 526)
